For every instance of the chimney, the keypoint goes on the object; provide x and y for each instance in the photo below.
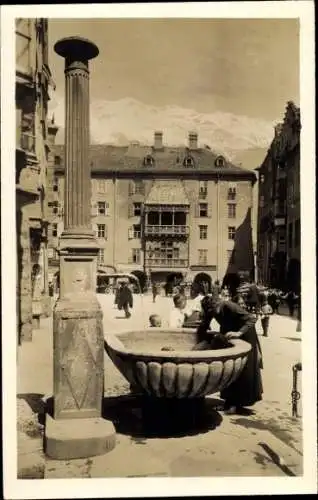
(193, 140)
(158, 144)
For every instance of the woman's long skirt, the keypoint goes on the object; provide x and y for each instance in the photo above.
(248, 388)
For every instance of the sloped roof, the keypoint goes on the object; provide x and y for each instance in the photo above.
(167, 193)
(125, 159)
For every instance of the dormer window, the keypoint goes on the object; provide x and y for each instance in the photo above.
(188, 161)
(220, 161)
(148, 161)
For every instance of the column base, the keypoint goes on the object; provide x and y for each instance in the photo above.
(67, 439)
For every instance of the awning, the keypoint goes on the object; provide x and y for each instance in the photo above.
(167, 193)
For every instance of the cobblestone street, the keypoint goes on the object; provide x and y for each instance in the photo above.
(268, 443)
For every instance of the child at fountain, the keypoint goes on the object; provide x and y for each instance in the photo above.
(155, 320)
(177, 315)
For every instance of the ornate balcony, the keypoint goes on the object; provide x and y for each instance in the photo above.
(159, 230)
(166, 262)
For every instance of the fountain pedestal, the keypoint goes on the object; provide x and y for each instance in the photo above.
(76, 428)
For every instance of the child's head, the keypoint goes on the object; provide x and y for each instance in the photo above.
(179, 301)
(155, 320)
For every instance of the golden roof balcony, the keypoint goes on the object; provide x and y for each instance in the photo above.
(166, 230)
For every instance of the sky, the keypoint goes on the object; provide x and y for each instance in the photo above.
(243, 67)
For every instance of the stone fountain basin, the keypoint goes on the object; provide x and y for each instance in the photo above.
(180, 373)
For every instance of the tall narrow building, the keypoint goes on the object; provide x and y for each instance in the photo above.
(279, 206)
(33, 79)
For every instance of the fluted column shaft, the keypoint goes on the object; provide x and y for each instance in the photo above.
(77, 168)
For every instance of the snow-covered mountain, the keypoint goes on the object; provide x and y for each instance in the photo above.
(125, 120)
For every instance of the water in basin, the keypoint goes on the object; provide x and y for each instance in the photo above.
(157, 340)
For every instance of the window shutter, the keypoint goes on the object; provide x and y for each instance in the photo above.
(106, 208)
(95, 229)
(209, 210)
(197, 210)
(106, 232)
(130, 233)
(130, 210)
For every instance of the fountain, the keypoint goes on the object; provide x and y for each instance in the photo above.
(159, 362)
(178, 373)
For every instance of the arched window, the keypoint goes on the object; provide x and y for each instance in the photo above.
(220, 161)
(188, 161)
(148, 160)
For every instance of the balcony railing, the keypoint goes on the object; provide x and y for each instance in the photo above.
(166, 230)
(165, 262)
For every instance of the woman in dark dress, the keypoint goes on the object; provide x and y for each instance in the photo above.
(234, 322)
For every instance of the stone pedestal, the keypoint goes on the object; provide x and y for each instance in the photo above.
(76, 428)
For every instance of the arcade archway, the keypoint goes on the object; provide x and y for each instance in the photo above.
(204, 281)
(142, 278)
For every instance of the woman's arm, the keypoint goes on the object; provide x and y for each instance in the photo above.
(203, 328)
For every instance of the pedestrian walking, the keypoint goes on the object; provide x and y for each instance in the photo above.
(274, 300)
(291, 298)
(154, 289)
(125, 299)
(266, 311)
(253, 300)
(225, 294)
(234, 323)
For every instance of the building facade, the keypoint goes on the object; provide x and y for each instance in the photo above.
(163, 212)
(33, 79)
(279, 206)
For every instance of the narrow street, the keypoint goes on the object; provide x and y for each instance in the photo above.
(268, 443)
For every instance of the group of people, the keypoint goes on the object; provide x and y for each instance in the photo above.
(234, 322)
(236, 313)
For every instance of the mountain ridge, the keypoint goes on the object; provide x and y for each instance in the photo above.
(125, 120)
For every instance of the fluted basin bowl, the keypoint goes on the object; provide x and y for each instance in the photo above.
(181, 373)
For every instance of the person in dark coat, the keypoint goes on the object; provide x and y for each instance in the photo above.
(253, 299)
(291, 299)
(274, 301)
(234, 323)
(155, 291)
(125, 299)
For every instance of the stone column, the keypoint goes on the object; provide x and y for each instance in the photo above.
(76, 428)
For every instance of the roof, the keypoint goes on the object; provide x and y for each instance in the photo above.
(167, 193)
(125, 159)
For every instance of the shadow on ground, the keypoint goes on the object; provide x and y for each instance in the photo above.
(35, 401)
(284, 430)
(294, 339)
(142, 417)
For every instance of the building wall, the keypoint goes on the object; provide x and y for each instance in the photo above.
(32, 82)
(279, 207)
(119, 244)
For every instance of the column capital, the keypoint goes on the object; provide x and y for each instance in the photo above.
(76, 48)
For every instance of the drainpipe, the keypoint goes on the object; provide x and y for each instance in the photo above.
(218, 225)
